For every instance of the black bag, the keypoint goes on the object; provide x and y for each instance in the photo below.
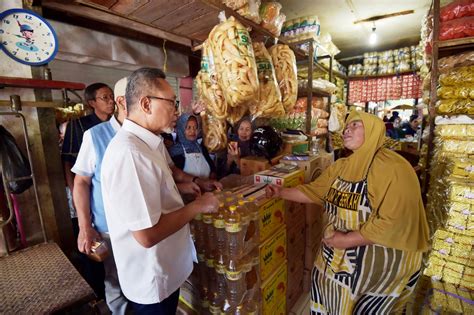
(14, 164)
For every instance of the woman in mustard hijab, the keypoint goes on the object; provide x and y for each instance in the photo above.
(370, 257)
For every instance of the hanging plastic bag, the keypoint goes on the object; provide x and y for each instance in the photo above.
(284, 61)
(270, 97)
(333, 124)
(458, 28)
(14, 163)
(456, 9)
(235, 62)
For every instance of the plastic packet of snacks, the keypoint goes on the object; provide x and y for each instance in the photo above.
(455, 106)
(462, 75)
(461, 218)
(455, 131)
(462, 191)
(456, 92)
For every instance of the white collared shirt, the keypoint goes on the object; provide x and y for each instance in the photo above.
(86, 158)
(137, 187)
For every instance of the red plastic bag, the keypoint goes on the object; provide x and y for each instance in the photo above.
(457, 28)
(457, 9)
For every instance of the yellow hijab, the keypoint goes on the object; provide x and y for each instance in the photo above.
(398, 217)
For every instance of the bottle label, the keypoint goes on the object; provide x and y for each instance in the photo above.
(233, 227)
(215, 309)
(198, 217)
(219, 224)
(210, 263)
(233, 275)
(220, 269)
(201, 257)
(207, 219)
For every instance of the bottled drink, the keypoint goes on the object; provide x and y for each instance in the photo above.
(234, 274)
(199, 233)
(219, 228)
(233, 227)
(314, 149)
(210, 244)
(220, 268)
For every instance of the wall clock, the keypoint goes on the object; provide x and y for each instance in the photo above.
(27, 37)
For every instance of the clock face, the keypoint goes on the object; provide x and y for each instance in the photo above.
(27, 37)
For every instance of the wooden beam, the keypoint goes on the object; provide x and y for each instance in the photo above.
(384, 16)
(113, 19)
(40, 84)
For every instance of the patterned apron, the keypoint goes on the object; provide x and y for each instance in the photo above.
(370, 279)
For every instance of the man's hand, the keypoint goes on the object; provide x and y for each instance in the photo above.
(273, 191)
(85, 239)
(207, 203)
(208, 184)
(189, 188)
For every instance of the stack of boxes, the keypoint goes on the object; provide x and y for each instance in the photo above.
(295, 240)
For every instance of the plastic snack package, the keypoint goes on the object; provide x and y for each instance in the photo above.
(457, 28)
(251, 11)
(214, 132)
(270, 104)
(208, 86)
(235, 62)
(456, 9)
(272, 20)
(284, 62)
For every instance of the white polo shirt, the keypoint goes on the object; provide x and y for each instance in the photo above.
(137, 187)
(86, 158)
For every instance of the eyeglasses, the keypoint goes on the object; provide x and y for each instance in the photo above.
(353, 125)
(174, 102)
(106, 98)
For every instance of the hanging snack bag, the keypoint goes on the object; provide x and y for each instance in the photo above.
(284, 61)
(235, 62)
(209, 89)
(270, 105)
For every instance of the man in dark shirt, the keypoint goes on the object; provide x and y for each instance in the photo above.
(411, 127)
(101, 99)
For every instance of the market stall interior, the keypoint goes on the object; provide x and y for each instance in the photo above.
(270, 84)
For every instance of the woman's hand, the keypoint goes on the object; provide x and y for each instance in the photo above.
(343, 240)
(233, 152)
(273, 191)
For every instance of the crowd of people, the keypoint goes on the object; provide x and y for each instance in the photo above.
(397, 129)
(129, 176)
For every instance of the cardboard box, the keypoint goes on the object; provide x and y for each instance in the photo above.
(273, 292)
(271, 214)
(280, 179)
(295, 212)
(296, 241)
(313, 213)
(250, 165)
(295, 271)
(312, 166)
(272, 253)
(293, 295)
(307, 280)
(314, 233)
(295, 147)
(310, 255)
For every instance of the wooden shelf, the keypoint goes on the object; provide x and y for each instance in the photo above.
(39, 84)
(458, 43)
(315, 92)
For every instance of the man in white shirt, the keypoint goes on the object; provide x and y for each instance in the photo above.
(147, 220)
(88, 196)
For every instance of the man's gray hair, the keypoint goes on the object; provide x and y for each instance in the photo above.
(140, 82)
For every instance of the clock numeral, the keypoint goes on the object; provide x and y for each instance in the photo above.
(47, 53)
(28, 17)
(1, 31)
(15, 16)
(14, 53)
(5, 43)
(38, 58)
(27, 59)
(6, 21)
(50, 45)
